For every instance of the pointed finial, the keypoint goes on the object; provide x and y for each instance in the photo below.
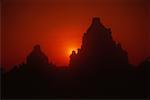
(96, 20)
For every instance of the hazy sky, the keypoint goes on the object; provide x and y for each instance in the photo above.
(58, 26)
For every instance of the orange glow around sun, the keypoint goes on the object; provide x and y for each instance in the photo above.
(71, 49)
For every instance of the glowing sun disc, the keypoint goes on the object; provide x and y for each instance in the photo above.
(70, 50)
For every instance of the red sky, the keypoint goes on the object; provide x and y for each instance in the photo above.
(58, 26)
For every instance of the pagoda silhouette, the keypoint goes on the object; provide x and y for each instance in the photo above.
(101, 61)
(37, 57)
(99, 49)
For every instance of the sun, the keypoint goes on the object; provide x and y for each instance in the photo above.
(69, 51)
(69, 47)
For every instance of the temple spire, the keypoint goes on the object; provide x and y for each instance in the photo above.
(96, 20)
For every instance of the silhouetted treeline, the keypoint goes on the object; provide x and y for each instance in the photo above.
(99, 69)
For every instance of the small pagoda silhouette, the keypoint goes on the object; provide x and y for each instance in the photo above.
(37, 57)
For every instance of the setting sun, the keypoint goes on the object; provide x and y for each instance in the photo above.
(71, 49)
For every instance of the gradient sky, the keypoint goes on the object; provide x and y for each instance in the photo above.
(58, 26)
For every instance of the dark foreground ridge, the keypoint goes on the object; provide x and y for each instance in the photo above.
(99, 69)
